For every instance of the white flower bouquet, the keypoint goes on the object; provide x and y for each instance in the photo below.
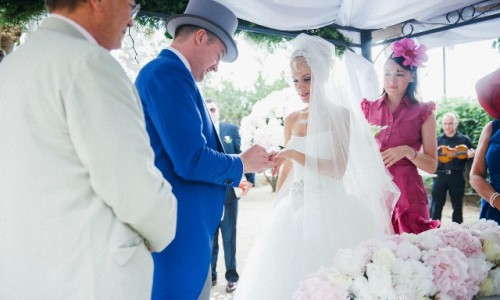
(454, 262)
(264, 125)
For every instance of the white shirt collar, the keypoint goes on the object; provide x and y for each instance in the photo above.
(82, 30)
(181, 57)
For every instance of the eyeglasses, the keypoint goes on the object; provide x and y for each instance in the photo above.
(135, 10)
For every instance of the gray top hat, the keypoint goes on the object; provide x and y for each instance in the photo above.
(213, 17)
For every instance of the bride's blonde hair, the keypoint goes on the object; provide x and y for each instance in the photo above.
(299, 60)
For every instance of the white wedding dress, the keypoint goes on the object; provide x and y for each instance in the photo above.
(283, 254)
(341, 196)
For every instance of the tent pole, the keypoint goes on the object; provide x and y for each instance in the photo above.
(366, 44)
(444, 72)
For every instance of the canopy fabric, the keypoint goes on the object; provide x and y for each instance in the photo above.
(294, 15)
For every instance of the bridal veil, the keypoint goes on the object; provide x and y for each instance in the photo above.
(344, 169)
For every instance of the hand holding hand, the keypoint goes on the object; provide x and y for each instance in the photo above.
(256, 159)
(281, 158)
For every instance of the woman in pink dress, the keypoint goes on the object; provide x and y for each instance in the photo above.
(408, 141)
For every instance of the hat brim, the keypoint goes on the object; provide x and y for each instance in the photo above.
(488, 93)
(187, 19)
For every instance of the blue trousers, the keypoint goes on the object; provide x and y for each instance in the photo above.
(227, 228)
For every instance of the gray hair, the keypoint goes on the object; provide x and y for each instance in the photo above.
(451, 114)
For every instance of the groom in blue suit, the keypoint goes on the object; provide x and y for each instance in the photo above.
(187, 149)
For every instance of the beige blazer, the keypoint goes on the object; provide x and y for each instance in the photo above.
(79, 192)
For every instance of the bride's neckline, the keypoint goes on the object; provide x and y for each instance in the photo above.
(298, 136)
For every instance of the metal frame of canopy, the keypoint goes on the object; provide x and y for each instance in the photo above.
(476, 13)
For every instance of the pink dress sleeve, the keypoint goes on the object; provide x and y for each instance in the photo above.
(365, 107)
(427, 109)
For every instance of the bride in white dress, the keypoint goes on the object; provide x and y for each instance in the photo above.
(334, 190)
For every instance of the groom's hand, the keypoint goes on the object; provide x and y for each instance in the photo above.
(256, 159)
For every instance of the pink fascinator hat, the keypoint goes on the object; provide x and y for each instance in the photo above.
(408, 54)
(488, 93)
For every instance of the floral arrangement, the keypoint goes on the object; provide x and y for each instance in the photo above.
(454, 262)
(264, 125)
(414, 56)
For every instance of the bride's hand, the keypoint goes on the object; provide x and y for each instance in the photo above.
(281, 158)
(277, 166)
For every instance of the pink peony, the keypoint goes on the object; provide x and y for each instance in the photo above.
(317, 287)
(449, 263)
(370, 246)
(478, 272)
(450, 269)
(414, 55)
(458, 237)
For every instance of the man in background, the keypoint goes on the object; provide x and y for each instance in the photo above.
(81, 202)
(230, 137)
(450, 175)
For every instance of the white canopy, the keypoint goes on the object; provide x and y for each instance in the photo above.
(383, 16)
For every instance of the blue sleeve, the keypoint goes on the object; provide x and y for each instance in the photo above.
(172, 101)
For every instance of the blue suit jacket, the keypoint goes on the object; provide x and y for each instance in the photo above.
(231, 141)
(190, 156)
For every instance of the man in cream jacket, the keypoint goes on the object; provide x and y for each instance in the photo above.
(81, 202)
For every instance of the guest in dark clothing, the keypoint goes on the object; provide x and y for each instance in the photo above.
(451, 167)
(230, 138)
